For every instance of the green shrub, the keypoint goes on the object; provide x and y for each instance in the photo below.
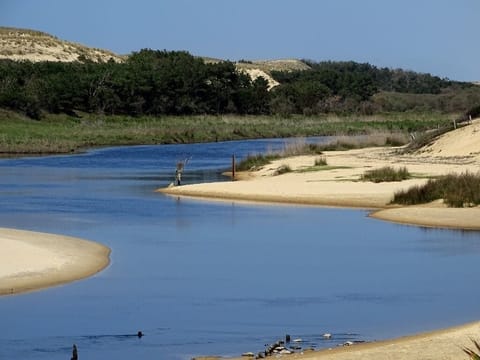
(386, 173)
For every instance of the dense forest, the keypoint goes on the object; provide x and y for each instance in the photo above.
(157, 83)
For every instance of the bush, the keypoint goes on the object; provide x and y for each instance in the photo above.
(386, 173)
(456, 191)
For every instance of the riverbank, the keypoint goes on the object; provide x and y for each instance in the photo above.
(31, 260)
(445, 344)
(338, 184)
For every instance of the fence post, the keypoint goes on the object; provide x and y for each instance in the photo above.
(233, 167)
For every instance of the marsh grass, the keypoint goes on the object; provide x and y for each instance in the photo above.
(256, 161)
(373, 139)
(456, 190)
(62, 133)
(385, 174)
(294, 148)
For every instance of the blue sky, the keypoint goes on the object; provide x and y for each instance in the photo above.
(435, 36)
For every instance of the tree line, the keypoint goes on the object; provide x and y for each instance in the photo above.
(153, 82)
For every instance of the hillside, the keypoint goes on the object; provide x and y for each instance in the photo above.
(262, 68)
(35, 46)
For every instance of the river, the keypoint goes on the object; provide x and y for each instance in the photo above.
(200, 277)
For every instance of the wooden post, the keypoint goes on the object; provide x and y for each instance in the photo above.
(233, 167)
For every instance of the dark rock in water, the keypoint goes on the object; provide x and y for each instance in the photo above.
(139, 334)
(74, 353)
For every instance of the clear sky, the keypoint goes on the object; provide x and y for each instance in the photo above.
(440, 37)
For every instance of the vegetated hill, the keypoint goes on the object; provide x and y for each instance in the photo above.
(35, 46)
(263, 68)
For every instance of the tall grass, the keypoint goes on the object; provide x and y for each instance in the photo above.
(295, 148)
(386, 173)
(62, 133)
(256, 161)
(373, 139)
(456, 190)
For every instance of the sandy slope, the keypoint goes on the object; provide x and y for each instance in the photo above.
(32, 260)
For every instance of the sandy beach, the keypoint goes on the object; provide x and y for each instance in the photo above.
(446, 344)
(339, 185)
(32, 260)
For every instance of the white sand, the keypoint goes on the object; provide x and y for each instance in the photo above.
(32, 260)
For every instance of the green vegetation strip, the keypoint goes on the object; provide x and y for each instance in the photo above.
(64, 133)
(456, 190)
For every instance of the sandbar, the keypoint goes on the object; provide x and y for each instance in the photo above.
(32, 260)
(339, 185)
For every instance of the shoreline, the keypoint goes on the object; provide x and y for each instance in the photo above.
(340, 187)
(446, 344)
(32, 261)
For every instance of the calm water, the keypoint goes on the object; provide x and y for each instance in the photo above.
(202, 277)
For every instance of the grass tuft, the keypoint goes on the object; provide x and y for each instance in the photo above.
(321, 161)
(283, 169)
(386, 173)
(473, 354)
(456, 190)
